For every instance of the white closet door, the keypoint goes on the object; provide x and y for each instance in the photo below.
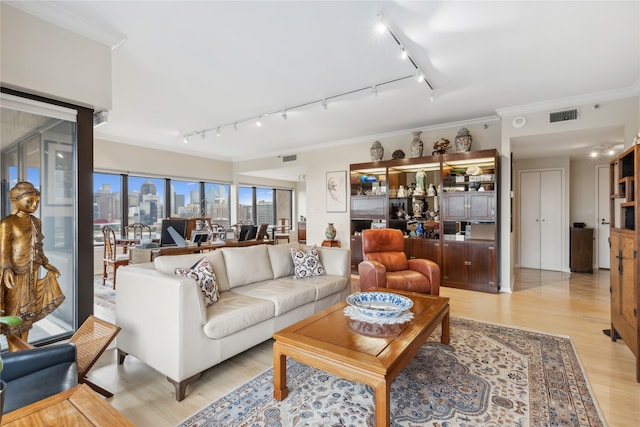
(551, 220)
(530, 220)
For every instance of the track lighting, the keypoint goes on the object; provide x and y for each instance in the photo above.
(218, 131)
(324, 103)
(202, 135)
(374, 91)
(284, 114)
(185, 140)
(404, 53)
(258, 121)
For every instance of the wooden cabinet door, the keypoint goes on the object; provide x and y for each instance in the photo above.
(622, 281)
(482, 205)
(454, 262)
(481, 267)
(426, 249)
(454, 206)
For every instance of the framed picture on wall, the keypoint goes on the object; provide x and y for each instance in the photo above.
(336, 186)
(59, 173)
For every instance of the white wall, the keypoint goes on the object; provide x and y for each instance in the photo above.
(60, 64)
(116, 157)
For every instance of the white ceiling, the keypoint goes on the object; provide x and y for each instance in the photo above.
(192, 66)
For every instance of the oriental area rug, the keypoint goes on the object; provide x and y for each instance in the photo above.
(488, 375)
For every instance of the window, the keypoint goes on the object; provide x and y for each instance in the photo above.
(185, 199)
(216, 198)
(259, 205)
(146, 203)
(107, 204)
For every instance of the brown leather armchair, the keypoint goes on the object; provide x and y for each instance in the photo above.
(385, 264)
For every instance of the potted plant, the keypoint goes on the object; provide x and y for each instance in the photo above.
(11, 321)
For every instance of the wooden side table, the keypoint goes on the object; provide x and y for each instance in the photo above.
(78, 406)
(331, 243)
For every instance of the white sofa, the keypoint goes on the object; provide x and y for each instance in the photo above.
(166, 324)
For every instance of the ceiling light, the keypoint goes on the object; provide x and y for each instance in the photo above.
(602, 151)
(202, 135)
(218, 131)
(284, 114)
(324, 103)
(258, 122)
(235, 126)
(381, 27)
(374, 91)
(419, 76)
(185, 140)
(403, 53)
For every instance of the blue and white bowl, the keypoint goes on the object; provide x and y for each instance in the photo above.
(379, 304)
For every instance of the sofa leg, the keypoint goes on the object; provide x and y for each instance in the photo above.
(121, 356)
(181, 386)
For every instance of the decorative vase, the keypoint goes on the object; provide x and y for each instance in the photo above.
(418, 206)
(376, 151)
(463, 140)
(432, 191)
(330, 232)
(416, 145)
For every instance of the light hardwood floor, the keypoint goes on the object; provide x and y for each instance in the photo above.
(572, 304)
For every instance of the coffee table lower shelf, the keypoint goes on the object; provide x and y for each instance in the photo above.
(326, 341)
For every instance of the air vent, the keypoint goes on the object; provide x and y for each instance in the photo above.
(563, 116)
(290, 158)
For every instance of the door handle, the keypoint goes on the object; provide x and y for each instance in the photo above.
(604, 223)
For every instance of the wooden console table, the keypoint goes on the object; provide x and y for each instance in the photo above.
(190, 249)
(331, 243)
(78, 406)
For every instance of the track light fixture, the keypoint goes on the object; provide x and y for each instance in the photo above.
(324, 103)
(259, 121)
(374, 91)
(218, 131)
(404, 53)
(284, 114)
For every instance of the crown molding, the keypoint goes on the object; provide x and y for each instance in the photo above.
(64, 18)
(570, 102)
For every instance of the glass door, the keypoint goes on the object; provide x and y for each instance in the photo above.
(38, 145)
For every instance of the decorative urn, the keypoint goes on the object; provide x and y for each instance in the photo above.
(463, 140)
(376, 151)
(330, 232)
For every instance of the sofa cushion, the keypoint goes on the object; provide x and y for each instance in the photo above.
(306, 264)
(280, 258)
(204, 277)
(168, 263)
(285, 296)
(245, 265)
(234, 312)
(323, 286)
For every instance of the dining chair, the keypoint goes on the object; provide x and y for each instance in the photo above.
(282, 233)
(112, 258)
(138, 231)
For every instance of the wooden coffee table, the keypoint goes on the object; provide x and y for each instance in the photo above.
(366, 353)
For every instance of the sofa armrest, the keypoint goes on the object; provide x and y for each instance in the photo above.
(161, 315)
(372, 275)
(430, 269)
